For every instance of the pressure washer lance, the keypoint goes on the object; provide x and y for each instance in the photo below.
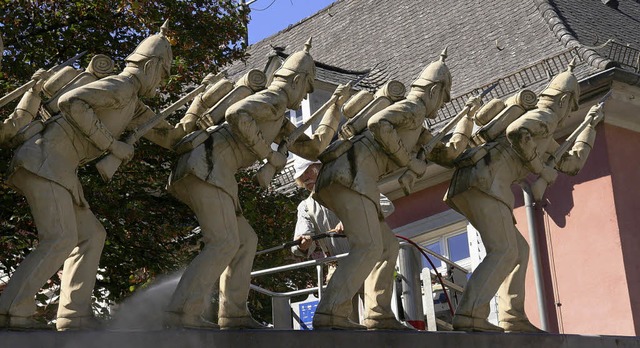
(299, 241)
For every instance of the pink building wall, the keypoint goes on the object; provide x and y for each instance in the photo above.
(419, 205)
(590, 248)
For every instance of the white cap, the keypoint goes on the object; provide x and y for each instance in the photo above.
(300, 165)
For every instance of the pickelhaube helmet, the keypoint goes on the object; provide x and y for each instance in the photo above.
(157, 46)
(436, 72)
(565, 82)
(300, 62)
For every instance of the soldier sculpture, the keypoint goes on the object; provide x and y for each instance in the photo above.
(481, 191)
(348, 185)
(204, 179)
(44, 170)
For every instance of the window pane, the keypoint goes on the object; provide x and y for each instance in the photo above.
(458, 247)
(435, 247)
(296, 116)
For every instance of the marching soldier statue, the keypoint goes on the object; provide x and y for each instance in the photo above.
(204, 179)
(481, 191)
(348, 185)
(44, 170)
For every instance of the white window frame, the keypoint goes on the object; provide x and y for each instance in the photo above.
(442, 237)
(437, 227)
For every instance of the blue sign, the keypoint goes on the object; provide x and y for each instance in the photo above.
(307, 309)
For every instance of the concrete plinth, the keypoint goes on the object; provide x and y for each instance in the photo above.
(307, 339)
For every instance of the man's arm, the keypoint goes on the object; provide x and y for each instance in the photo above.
(163, 133)
(304, 230)
(383, 126)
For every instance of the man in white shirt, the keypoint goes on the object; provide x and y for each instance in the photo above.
(314, 218)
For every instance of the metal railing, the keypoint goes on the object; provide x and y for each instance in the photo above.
(623, 55)
(416, 294)
(626, 56)
(281, 301)
(534, 74)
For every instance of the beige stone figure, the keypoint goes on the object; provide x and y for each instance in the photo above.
(481, 191)
(314, 219)
(204, 179)
(44, 170)
(348, 185)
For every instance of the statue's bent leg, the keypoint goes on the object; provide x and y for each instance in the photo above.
(361, 225)
(79, 274)
(378, 287)
(494, 222)
(235, 280)
(53, 212)
(511, 294)
(215, 212)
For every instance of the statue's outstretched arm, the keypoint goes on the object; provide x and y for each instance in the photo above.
(311, 146)
(571, 162)
(24, 113)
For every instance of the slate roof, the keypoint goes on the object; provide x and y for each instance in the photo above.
(516, 43)
(487, 39)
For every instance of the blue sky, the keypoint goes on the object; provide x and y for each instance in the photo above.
(270, 16)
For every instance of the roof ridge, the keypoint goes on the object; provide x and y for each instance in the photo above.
(328, 66)
(564, 35)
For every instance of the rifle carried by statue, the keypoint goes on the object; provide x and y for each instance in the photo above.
(266, 173)
(24, 88)
(408, 177)
(108, 165)
(540, 185)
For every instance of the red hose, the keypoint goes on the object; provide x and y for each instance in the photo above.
(438, 275)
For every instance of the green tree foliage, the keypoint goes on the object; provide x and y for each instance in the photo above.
(205, 34)
(149, 233)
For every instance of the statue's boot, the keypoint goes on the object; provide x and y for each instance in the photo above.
(520, 326)
(386, 324)
(77, 323)
(470, 324)
(328, 321)
(178, 320)
(240, 323)
(22, 323)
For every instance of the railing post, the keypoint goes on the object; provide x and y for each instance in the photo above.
(281, 312)
(427, 300)
(410, 265)
(320, 278)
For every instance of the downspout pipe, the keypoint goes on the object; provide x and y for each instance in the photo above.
(535, 253)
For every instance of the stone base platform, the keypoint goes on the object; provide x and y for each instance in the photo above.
(306, 339)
